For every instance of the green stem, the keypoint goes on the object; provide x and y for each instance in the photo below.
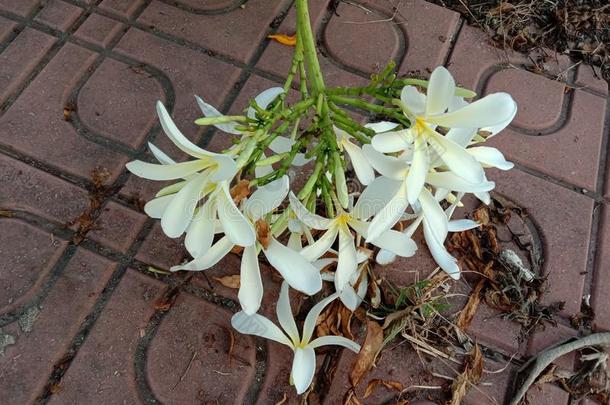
(305, 32)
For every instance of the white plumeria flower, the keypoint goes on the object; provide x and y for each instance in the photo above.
(439, 108)
(176, 204)
(360, 163)
(435, 244)
(347, 253)
(390, 192)
(294, 268)
(354, 292)
(304, 361)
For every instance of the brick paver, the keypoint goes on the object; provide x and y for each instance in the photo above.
(84, 321)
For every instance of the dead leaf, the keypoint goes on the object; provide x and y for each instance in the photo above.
(229, 281)
(471, 375)
(263, 233)
(470, 309)
(350, 398)
(368, 353)
(68, 110)
(164, 303)
(240, 191)
(55, 389)
(288, 40)
(392, 385)
(6, 213)
(283, 400)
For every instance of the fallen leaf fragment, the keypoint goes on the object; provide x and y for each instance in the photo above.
(470, 376)
(392, 385)
(229, 281)
(470, 309)
(240, 191)
(366, 357)
(288, 40)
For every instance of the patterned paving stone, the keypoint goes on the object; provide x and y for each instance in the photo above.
(16, 65)
(58, 14)
(160, 251)
(7, 28)
(552, 336)
(103, 371)
(125, 9)
(59, 144)
(600, 299)
(99, 30)
(28, 255)
(43, 335)
(22, 7)
(117, 227)
(25, 188)
(223, 33)
(200, 363)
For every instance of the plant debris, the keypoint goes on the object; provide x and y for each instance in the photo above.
(229, 281)
(473, 370)
(578, 28)
(373, 343)
(288, 40)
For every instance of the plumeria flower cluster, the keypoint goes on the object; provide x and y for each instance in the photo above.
(280, 192)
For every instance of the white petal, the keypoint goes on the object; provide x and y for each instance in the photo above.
(312, 317)
(419, 168)
(234, 224)
(433, 214)
(391, 142)
(210, 112)
(447, 262)
(210, 258)
(360, 163)
(160, 155)
(250, 293)
(335, 341)
(200, 233)
(299, 273)
(284, 315)
(258, 325)
(385, 257)
(413, 100)
(264, 99)
(459, 225)
(310, 219)
(174, 188)
(375, 196)
(499, 127)
(490, 157)
(448, 180)
(179, 211)
(303, 368)
(456, 158)
(225, 170)
(266, 198)
(381, 126)
(484, 197)
(177, 137)
(281, 144)
(350, 299)
(389, 215)
(491, 110)
(322, 263)
(461, 136)
(441, 89)
(348, 260)
(396, 242)
(294, 241)
(155, 208)
(174, 171)
(322, 245)
(387, 166)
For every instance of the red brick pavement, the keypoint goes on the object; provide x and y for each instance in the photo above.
(83, 323)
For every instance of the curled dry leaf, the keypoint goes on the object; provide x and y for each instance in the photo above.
(263, 233)
(350, 398)
(392, 385)
(471, 307)
(240, 191)
(367, 355)
(471, 375)
(288, 40)
(229, 281)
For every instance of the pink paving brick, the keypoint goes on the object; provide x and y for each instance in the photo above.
(211, 367)
(114, 88)
(123, 8)
(42, 338)
(99, 30)
(58, 14)
(21, 7)
(29, 255)
(7, 27)
(553, 336)
(58, 144)
(222, 33)
(16, 65)
(601, 276)
(117, 227)
(160, 251)
(103, 370)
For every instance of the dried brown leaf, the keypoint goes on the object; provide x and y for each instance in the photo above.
(263, 233)
(229, 281)
(371, 347)
(283, 400)
(471, 375)
(471, 307)
(240, 191)
(350, 398)
(392, 385)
